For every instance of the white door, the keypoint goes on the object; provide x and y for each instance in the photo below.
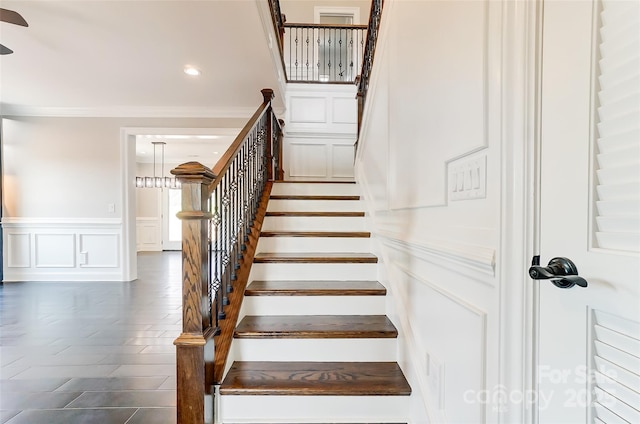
(171, 224)
(589, 338)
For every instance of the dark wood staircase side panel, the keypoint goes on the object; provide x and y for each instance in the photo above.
(316, 378)
(315, 288)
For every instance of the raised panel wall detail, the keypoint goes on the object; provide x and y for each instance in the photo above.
(344, 110)
(19, 250)
(308, 160)
(148, 235)
(40, 249)
(308, 110)
(55, 250)
(99, 250)
(342, 160)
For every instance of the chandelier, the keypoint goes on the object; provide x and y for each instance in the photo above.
(158, 181)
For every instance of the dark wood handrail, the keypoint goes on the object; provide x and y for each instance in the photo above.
(338, 26)
(375, 17)
(224, 162)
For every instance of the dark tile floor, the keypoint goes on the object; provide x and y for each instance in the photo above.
(92, 352)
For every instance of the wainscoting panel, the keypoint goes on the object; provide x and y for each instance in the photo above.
(99, 250)
(345, 110)
(319, 158)
(67, 249)
(18, 250)
(55, 250)
(307, 109)
(308, 160)
(342, 160)
(321, 109)
(148, 234)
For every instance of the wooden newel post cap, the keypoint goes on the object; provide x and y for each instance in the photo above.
(193, 171)
(267, 94)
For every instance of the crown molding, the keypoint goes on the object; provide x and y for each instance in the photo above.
(127, 111)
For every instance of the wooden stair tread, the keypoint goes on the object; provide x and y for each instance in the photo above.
(315, 288)
(315, 327)
(315, 378)
(344, 234)
(312, 197)
(314, 257)
(317, 214)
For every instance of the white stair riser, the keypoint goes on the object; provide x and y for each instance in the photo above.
(307, 271)
(313, 409)
(291, 205)
(314, 244)
(313, 305)
(335, 189)
(321, 350)
(313, 223)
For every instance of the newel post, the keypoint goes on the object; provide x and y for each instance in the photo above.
(267, 94)
(196, 319)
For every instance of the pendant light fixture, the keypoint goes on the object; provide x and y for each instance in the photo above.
(158, 181)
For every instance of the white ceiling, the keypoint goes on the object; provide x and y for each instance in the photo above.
(206, 149)
(123, 56)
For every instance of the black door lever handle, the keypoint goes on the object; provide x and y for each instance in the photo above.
(562, 272)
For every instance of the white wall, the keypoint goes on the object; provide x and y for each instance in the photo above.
(430, 163)
(64, 195)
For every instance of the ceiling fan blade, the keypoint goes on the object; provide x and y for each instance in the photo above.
(5, 50)
(12, 17)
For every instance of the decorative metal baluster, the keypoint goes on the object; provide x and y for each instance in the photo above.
(216, 260)
(226, 214)
(296, 62)
(319, 54)
(307, 55)
(329, 51)
(350, 53)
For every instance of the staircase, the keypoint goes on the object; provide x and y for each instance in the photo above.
(313, 343)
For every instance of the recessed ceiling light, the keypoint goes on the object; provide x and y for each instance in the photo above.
(215, 153)
(190, 70)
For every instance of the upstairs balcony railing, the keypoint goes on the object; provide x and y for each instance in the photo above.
(323, 53)
(330, 53)
(220, 207)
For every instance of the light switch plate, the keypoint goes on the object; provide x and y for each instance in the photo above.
(467, 178)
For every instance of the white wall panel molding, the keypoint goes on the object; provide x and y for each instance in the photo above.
(54, 250)
(63, 249)
(18, 250)
(321, 109)
(9, 223)
(307, 110)
(460, 346)
(316, 157)
(148, 234)
(473, 261)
